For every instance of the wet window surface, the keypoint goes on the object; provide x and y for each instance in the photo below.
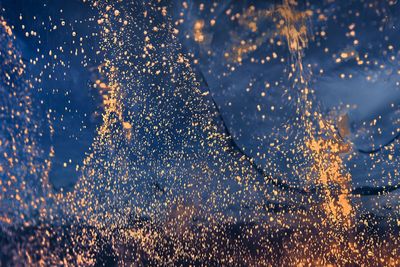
(199, 133)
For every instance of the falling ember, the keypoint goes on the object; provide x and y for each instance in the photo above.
(199, 133)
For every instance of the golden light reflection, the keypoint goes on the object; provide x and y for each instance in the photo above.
(165, 182)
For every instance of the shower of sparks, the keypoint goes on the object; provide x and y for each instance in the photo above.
(212, 138)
